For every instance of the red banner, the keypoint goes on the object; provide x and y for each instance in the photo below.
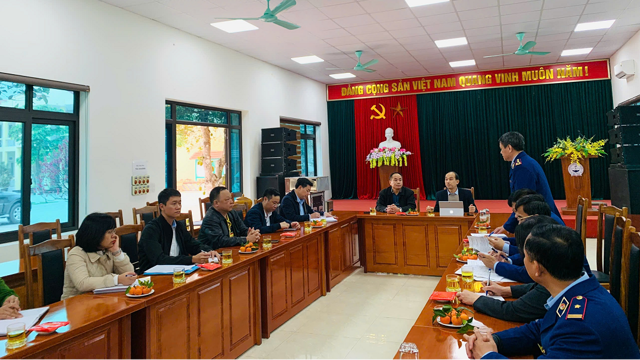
(549, 74)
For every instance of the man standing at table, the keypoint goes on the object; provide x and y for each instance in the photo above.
(295, 208)
(165, 241)
(525, 173)
(264, 217)
(396, 198)
(454, 193)
(223, 227)
(582, 321)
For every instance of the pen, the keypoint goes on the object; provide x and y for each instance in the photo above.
(488, 283)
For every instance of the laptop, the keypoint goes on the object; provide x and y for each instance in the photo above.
(451, 208)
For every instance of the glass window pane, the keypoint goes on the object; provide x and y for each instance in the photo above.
(54, 100)
(200, 162)
(167, 111)
(186, 113)
(303, 154)
(10, 175)
(310, 159)
(50, 173)
(235, 119)
(236, 178)
(12, 95)
(310, 129)
(301, 129)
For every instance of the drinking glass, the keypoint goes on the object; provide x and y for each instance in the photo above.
(430, 212)
(227, 256)
(324, 222)
(453, 283)
(16, 336)
(372, 211)
(266, 242)
(307, 226)
(482, 229)
(409, 351)
(467, 278)
(178, 275)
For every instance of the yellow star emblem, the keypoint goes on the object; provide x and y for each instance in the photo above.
(398, 110)
(577, 306)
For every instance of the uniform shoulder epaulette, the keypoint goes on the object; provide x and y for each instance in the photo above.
(577, 308)
(516, 163)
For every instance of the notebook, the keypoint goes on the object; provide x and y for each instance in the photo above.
(168, 269)
(29, 318)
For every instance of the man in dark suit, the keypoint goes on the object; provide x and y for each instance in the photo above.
(295, 208)
(454, 193)
(582, 321)
(396, 198)
(264, 217)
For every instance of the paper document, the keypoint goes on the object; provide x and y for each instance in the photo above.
(110, 290)
(481, 273)
(330, 219)
(497, 297)
(486, 235)
(29, 318)
(168, 269)
(480, 244)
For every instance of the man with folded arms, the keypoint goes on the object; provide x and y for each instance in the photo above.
(165, 241)
(396, 198)
(264, 215)
(582, 321)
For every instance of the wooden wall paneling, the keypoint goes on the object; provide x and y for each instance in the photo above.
(208, 319)
(334, 254)
(347, 257)
(240, 301)
(415, 244)
(169, 328)
(314, 268)
(296, 272)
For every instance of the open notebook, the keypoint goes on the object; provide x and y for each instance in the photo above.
(29, 318)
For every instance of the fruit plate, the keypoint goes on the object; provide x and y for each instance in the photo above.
(254, 250)
(448, 325)
(317, 226)
(462, 261)
(477, 226)
(413, 214)
(143, 295)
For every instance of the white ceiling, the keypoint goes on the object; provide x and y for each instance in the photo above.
(402, 38)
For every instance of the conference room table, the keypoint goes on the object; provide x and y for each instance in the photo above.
(223, 313)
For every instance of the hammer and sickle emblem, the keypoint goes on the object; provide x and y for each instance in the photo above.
(380, 114)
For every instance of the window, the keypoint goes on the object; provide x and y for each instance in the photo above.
(307, 145)
(38, 157)
(203, 150)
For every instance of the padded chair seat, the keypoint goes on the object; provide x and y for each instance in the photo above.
(602, 277)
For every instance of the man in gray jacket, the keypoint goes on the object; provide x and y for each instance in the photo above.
(221, 226)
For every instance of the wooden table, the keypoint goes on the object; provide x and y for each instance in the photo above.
(437, 342)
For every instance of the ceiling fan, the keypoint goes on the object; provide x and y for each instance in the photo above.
(270, 15)
(523, 49)
(359, 66)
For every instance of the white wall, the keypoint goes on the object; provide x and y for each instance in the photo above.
(134, 64)
(624, 89)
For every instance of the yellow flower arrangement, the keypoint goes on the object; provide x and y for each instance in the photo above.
(577, 149)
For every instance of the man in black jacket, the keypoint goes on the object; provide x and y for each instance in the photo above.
(221, 226)
(264, 217)
(165, 241)
(396, 198)
(295, 208)
(454, 193)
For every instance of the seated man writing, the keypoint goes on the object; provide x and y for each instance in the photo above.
(295, 208)
(396, 198)
(582, 321)
(165, 241)
(223, 227)
(454, 193)
(264, 216)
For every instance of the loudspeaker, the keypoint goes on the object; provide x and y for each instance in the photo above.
(271, 181)
(629, 134)
(278, 134)
(624, 115)
(274, 166)
(278, 149)
(626, 154)
(624, 184)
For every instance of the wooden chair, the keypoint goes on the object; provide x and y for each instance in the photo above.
(244, 200)
(50, 262)
(606, 221)
(241, 209)
(187, 219)
(630, 281)
(117, 215)
(472, 189)
(153, 203)
(259, 200)
(416, 192)
(581, 219)
(37, 233)
(620, 233)
(146, 214)
(129, 236)
(204, 204)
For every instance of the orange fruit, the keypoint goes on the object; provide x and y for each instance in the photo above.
(465, 258)
(249, 245)
(456, 320)
(243, 249)
(135, 291)
(146, 290)
(473, 257)
(464, 316)
(445, 320)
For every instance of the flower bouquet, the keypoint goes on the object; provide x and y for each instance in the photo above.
(577, 149)
(387, 156)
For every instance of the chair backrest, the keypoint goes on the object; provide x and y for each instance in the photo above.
(581, 219)
(129, 236)
(606, 220)
(187, 220)
(117, 215)
(241, 209)
(630, 282)
(259, 200)
(145, 214)
(153, 203)
(37, 233)
(620, 232)
(50, 262)
(416, 192)
(204, 204)
(244, 200)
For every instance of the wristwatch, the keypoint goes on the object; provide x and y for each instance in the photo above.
(117, 253)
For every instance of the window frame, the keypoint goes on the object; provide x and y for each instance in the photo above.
(29, 117)
(170, 125)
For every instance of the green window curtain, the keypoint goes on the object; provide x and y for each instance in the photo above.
(342, 149)
(459, 132)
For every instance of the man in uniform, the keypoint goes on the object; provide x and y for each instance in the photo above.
(525, 173)
(582, 321)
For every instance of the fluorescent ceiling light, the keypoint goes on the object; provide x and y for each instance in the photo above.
(576, 52)
(414, 3)
(234, 26)
(451, 42)
(307, 59)
(462, 63)
(342, 76)
(596, 25)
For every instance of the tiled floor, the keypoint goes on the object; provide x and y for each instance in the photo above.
(367, 316)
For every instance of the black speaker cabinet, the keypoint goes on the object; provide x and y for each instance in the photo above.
(625, 184)
(624, 115)
(277, 135)
(626, 135)
(278, 149)
(626, 155)
(270, 181)
(274, 166)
